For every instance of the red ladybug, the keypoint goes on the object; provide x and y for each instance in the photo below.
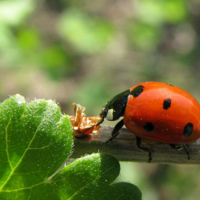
(156, 111)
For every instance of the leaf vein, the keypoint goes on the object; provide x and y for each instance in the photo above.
(13, 168)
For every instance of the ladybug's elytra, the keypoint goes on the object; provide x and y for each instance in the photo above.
(156, 111)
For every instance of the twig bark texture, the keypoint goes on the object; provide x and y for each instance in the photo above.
(124, 148)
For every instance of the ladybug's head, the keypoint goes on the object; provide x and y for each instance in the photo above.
(115, 108)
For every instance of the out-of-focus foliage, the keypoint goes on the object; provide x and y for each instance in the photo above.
(95, 49)
(88, 35)
(88, 51)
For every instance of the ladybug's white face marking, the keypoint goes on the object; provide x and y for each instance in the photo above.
(109, 116)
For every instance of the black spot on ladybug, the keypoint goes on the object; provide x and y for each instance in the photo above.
(188, 130)
(170, 84)
(137, 91)
(148, 127)
(167, 103)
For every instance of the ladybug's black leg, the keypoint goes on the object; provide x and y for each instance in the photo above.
(176, 147)
(187, 151)
(138, 143)
(116, 129)
(180, 147)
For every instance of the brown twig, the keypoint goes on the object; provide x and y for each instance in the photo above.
(124, 148)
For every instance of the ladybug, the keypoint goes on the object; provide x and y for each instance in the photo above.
(155, 111)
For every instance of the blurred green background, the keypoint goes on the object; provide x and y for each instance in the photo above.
(86, 51)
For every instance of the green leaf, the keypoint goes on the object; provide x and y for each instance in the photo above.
(35, 141)
(92, 177)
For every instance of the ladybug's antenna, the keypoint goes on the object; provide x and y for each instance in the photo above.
(100, 121)
(103, 114)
